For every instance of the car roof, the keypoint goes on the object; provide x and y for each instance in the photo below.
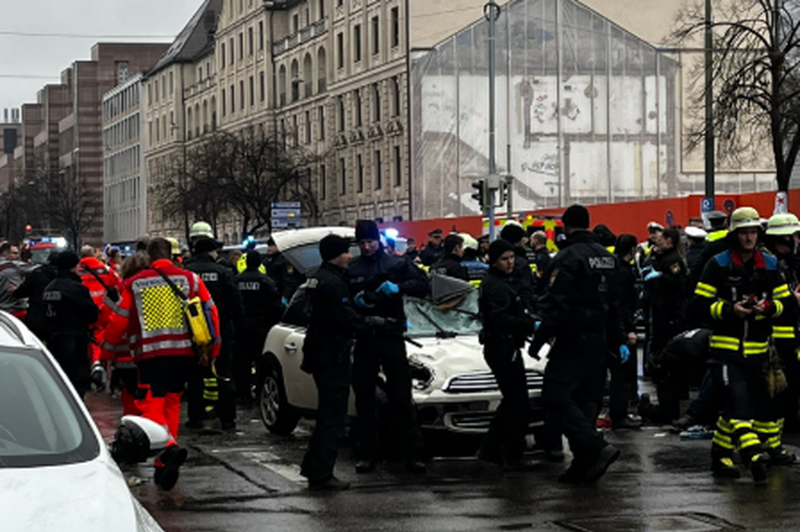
(14, 334)
(311, 235)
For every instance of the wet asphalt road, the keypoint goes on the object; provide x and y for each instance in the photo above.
(249, 481)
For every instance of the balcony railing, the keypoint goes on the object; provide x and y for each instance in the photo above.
(313, 30)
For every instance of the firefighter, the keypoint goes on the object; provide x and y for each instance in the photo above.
(210, 393)
(69, 315)
(152, 317)
(378, 282)
(577, 310)
(506, 326)
(262, 309)
(742, 295)
(450, 265)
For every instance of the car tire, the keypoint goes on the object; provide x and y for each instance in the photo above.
(277, 415)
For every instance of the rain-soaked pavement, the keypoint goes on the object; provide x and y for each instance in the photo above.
(249, 481)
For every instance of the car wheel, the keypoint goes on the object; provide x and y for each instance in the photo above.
(276, 413)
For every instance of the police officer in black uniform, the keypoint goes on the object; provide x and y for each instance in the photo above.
(262, 309)
(287, 279)
(541, 258)
(327, 350)
(210, 391)
(522, 276)
(506, 326)
(578, 312)
(70, 314)
(32, 288)
(434, 250)
(378, 282)
(450, 265)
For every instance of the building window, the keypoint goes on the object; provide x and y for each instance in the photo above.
(357, 43)
(122, 72)
(224, 110)
(261, 91)
(164, 87)
(295, 132)
(395, 27)
(342, 177)
(231, 50)
(308, 127)
(156, 90)
(376, 35)
(222, 55)
(378, 170)
(341, 117)
(250, 44)
(241, 45)
(395, 96)
(321, 118)
(149, 95)
(295, 23)
(323, 185)
(260, 34)
(200, 74)
(233, 100)
(398, 167)
(252, 91)
(358, 108)
(171, 85)
(321, 9)
(340, 50)
(241, 95)
(360, 168)
(376, 103)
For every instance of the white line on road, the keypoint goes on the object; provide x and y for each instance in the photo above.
(272, 462)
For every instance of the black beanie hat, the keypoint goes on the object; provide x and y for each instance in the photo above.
(576, 216)
(66, 260)
(497, 248)
(512, 233)
(367, 230)
(205, 245)
(332, 246)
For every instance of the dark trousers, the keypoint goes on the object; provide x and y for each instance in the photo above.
(249, 348)
(333, 393)
(623, 384)
(70, 349)
(706, 406)
(212, 393)
(370, 355)
(573, 387)
(506, 436)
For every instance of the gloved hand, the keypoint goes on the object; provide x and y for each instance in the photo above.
(360, 301)
(98, 376)
(535, 347)
(388, 288)
(624, 353)
(536, 325)
(284, 302)
(652, 275)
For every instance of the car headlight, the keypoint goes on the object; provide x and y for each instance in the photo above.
(144, 521)
(421, 374)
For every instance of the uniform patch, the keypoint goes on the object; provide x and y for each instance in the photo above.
(210, 277)
(52, 295)
(675, 268)
(290, 269)
(250, 286)
(312, 283)
(602, 263)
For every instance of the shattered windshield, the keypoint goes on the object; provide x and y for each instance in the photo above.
(426, 319)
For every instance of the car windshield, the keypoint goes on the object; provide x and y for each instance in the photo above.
(426, 319)
(306, 258)
(40, 422)
(39, 256)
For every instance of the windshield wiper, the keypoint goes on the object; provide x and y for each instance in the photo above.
(440, 332)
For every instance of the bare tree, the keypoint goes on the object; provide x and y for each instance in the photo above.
(756, 80)
(70, 206)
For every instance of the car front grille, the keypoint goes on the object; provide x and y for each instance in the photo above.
(484, 381)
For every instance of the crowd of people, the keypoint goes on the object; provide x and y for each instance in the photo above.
(718, 303)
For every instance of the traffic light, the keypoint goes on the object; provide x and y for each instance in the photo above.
(481, 193)
(503, 193)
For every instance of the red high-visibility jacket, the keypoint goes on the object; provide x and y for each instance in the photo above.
(151, 314)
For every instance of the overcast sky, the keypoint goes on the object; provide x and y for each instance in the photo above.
(23, 59)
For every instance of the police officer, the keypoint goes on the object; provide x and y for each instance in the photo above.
(476, 267)
(280, 270)
(541, 258)
(450, 265)
(578, 312)
(263, 309)
(741, 293)
(216, 389)
(522, 277)
(434, 250)
(506, 326)
(716, 242)
(32, 288)
(327, 349)
(696, 238)
(378, 282)
(69, 315)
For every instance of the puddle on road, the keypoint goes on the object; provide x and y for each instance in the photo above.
(694, 522)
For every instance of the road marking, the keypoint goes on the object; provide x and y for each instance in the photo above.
(272, 462)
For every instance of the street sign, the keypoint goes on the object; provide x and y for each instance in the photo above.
(707, 205)
(286, 205)
(285, 213)
(278, 223)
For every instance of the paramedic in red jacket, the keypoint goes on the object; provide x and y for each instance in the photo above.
(102, 285)
(152, 316)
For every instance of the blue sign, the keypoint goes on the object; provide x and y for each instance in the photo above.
(707, 205)
(729, 205)
(670, 219)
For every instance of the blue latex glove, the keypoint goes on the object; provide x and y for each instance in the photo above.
(536, 326)
(388, 288)
(652, 275)
(624, 353)
(360, 302)
(284, 302)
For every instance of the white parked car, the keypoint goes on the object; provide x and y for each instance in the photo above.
(453, 387)
(55, 470)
